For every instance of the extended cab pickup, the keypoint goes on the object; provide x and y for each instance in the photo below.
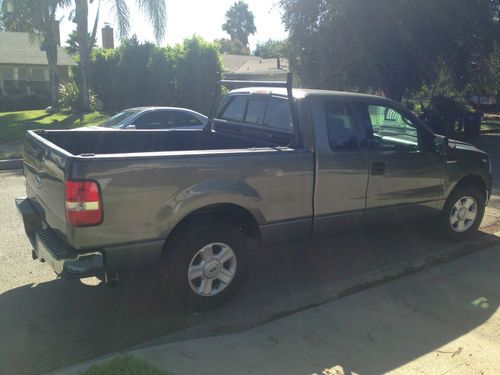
(274, 164)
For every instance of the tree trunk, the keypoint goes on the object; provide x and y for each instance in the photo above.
(394, 93)
(51, 51)
(81, 20)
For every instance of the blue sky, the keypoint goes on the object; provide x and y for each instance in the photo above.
(188, 17)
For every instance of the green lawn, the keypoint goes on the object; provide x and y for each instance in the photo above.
(490, 125)
(124, 366)
(13, 125)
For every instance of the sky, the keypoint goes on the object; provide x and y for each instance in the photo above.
(188, 17)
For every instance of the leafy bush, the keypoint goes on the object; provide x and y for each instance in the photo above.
(69, 97)
(138, 74)
(443, 114)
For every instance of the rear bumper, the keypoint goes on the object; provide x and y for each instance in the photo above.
(48, 247)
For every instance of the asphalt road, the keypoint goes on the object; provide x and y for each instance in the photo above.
(48, 323)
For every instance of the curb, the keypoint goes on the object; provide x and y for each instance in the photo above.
(11, 164)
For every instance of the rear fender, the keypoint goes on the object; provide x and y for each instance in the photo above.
(207, 193)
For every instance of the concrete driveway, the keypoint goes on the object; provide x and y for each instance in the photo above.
(48, 323)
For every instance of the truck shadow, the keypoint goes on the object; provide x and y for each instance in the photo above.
(55, 324)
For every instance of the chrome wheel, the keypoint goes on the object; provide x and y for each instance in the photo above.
(463, 214)
(212, 269)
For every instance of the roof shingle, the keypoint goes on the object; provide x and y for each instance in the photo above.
(16, 48)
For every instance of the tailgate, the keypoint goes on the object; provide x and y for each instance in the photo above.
(44, 166)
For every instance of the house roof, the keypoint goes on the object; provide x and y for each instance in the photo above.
(241, 64)
(231, 63)
(16, 48)
(263, 66)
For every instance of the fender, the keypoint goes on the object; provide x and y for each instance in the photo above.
(473, 174)
(207, 193)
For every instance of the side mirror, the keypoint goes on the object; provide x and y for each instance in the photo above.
(132, 126)
(440, 144)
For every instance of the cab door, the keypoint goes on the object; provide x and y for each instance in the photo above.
(342, 165)
(405, 174)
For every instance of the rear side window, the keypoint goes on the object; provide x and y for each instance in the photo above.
(149, 120)
(278, 114)
(235, 109)
(340, 126)
(183, 119)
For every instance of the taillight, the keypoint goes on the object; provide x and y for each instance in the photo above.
(83, 203)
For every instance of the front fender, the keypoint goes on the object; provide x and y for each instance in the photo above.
(475, 176)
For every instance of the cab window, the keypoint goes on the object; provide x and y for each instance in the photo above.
(340, 126)
(266, 111)
(234, 110)
(256, 111)
(278, 114)
(393, 130)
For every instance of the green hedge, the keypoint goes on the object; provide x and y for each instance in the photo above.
(138, 74)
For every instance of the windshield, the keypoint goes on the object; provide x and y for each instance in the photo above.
(117, 120)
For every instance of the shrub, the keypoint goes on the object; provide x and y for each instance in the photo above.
(443, 114)
(138, 74)
(69, 97)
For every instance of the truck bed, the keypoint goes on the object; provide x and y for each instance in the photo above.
(136, 141)
(150, 180)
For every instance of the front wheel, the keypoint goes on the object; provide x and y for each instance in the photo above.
(463, 212)
(207, 264)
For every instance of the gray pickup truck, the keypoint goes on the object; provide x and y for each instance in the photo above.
(274, 164)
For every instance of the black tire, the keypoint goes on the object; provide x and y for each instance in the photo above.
(460, 192)
(181, 250)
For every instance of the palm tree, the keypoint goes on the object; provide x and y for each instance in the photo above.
(154, 10)
(239, 22)
(39, 20)
(72, 43)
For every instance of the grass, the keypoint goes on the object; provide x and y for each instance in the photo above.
(490, 125)
(126, 365)
(13, 125)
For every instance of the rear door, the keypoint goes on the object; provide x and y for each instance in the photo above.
(341, 166)
(406, 175)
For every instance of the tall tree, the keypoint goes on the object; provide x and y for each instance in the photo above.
(72, 44)
(38, 18)
(154, 10)
(272, 48)
(232, 47)
(239, 22)
(387, 44)
(13, 16)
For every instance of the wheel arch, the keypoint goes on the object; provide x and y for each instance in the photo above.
(223, 212)
(472, 179)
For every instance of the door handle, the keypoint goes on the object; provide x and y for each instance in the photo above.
(378, 167)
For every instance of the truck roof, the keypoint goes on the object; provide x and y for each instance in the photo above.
(302, 93)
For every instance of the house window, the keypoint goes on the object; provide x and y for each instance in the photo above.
(8, 73)
(22, 74)
(39, 84)
(39, 74)
(11, 84)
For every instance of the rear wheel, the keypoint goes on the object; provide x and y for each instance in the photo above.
(463, 212)
(207, 264)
